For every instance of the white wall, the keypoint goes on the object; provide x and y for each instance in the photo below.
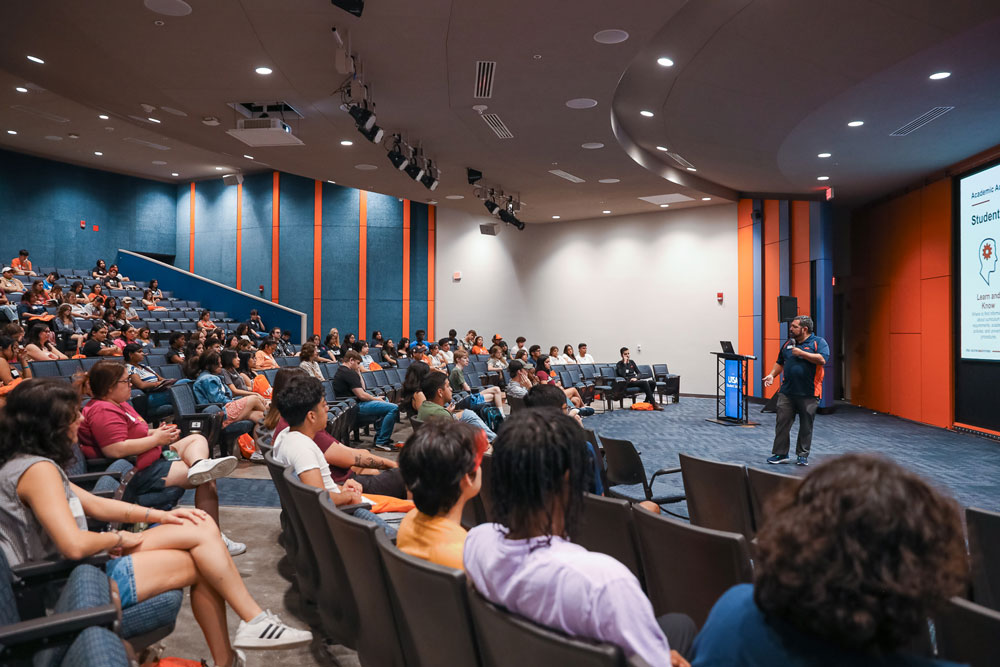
(641, 280)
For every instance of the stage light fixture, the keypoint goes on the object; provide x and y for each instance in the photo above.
(397, 158)
(511, 219)
(430, 179)
(492, 207)
(474, 175)
(373, 135)
(414, 170)
(363, 117)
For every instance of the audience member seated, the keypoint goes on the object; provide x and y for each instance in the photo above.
(192, 354)
(436, 359)
(112, 428)
(582, 355)
(302, 405)
(127, 334)
(458, 383)
(308, 361)
(389, 355)
(9, 284)
(435, 402)
(265, 355)
(283, 346)
(22, 265)
(130, 313)
(10, 354)
(467, 342)
(372, 409)
(848, 569)
(145, 378)
(45, 517)
(534, 352)
(526, 563)
(97, 344)
(40, 344)
(205, 322)
(257, 382)
(348, 344)
(333, 343)
(522, 356)
(95, 291)
(376, 340)
(440, 465)
(114, 268)
(238, 383)
(256, 324)
(477, 346)
(209, 388)
(447, 350)
(627, 369)
(112, 280)
(154, 288)
(568, 356)
(322, 351)
(550, 396)
(520, 381)
(545, 375)
(419, 340)
(145, 337)
(7, 309)
(149, 302)
(100, 269)
(497, 361)
(32, 308)
(15, 331)
(56, 296)
(361, 347)
(175, 351)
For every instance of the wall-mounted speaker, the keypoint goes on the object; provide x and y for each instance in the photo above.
(232, 179)
(788, 308)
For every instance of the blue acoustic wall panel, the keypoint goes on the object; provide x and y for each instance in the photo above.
(256, 239)
(215, 231)
(341, 257)
(42, 203)
(183, 216)
(295, 243)
(385, 266)
(418, 267)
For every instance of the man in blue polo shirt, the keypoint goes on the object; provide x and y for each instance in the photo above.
(801, 359)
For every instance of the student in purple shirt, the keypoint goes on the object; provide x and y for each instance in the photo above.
(527, 564)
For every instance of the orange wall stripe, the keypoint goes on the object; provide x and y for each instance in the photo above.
(406, 269)
(191, 238)
(318, 259)
(275, 228)
(239, 236)
(431, 239)
(362, 265)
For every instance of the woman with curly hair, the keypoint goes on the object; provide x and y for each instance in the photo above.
(850, 565)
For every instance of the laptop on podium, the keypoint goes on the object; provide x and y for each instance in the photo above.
(727, 346)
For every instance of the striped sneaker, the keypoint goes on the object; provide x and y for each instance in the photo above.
(268, 631)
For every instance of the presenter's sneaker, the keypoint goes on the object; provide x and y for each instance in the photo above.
(779, 458)
(802, 461)
(267, 631)
(208, 469)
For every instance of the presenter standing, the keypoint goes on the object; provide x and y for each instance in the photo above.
(801, 359)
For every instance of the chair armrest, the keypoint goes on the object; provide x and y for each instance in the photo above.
(47, 628)
(33, 569)
(85, 477)
(351, 509)
(662, 471)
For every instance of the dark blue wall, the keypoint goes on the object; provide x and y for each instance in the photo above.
(42, 203)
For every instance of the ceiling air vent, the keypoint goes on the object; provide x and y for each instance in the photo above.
(497, 126)
(484, 79)
(565, 174)
(41, 114)
(920, 121)
(679, 160)
(147, 144)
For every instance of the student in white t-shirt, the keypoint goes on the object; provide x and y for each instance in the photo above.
(582, 357)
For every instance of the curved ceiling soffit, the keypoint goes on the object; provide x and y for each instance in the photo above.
(687, 32)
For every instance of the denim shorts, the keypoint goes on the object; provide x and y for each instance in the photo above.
(121, 570)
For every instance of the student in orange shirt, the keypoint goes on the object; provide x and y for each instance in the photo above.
(21, 264)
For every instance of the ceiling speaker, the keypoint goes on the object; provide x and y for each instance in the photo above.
(232, 179)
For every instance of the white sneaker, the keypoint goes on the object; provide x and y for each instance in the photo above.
(239, 660)
(268, 631)
(208, 469)
(257, 457)
(235, 548)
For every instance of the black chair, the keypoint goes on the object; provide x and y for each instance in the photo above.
(718, 495)
(967, 633)
(338, 612)
(415, 423)
(671, 382)
(624, 466)
(606, 526)
(45, 369)
(430, 597)
(185, 409)
(508, 640)
(687, 568)
(294, 537)
(379, 632)
(515, 403)
(764, 484)
(984, 551)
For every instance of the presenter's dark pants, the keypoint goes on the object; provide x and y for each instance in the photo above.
(788, 407)
(646, 386)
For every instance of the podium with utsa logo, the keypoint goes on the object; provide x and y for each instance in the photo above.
(731, 399)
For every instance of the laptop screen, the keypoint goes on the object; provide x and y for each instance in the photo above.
(727, 346)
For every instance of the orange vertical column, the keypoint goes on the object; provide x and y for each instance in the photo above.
(318, 258)
(744, 271)
(406, 269)
(363, 265)
(771, 288)
(239, 236)
(191, 238)
(275, 229)
(431, 237)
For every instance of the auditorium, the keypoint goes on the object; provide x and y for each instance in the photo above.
(387, 334)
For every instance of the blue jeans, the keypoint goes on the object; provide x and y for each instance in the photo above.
(121, 570)
(382, 413)
(470, 417)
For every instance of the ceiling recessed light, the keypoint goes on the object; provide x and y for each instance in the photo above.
(98, 153)
(605, 212)
(581, 103)
(647, 114)
(706, 198)
(53, 137)
(592, 145)
(249, 157)
(332, 182)
(11, 131)
(939, 75)
(346, 142)
(856, 123)
(366, 167)
(104, 116)
(610, 36)
(174, 173)
(159, 162)
(454, 196)
(664, 205)
(692, 169)
(219, 168)
(662, 148)
(664, 62)
(36, 59)
(824, 155)
(154, 120)
(21, 89)
(609, 180)
(555, 217)
(432, 202)
(822, 178)
(263, 70)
